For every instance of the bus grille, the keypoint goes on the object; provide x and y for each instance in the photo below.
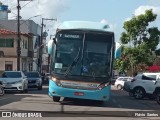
(79, 87)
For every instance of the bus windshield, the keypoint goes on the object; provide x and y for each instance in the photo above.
(83, 54)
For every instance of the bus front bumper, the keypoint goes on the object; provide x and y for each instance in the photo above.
(102, 95)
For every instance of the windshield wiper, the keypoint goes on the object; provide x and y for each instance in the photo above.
(73, 63)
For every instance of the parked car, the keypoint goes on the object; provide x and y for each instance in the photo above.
(126, 87)
(119, 83)
(144, 85)
(114, 79)
(158, 98)
(46, 78)
(157, 94)
(34, 80)
(1, 89)
(14, 80)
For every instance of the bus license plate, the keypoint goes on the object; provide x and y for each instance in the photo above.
(78, 93)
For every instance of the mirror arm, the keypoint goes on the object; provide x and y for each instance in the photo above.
(54, 40)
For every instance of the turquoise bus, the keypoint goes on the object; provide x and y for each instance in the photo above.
(82, 55)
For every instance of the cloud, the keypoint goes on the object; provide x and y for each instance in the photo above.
(154, 2)
(104, 21)
(52, 8)
(111, 25)
(156, 10)
(142, 9)
(127, 19)
(45, 8)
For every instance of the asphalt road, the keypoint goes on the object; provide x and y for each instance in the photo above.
(119, 105)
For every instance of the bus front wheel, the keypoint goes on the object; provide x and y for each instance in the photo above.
(99, 102)
(56, 99)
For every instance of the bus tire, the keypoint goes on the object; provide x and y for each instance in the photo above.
(1, 91)
(158, 98)
(99, 102)
(39, 87)
(56, 99)
(139, 93)
(119, 87)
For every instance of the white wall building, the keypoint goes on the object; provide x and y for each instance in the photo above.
(8, 51)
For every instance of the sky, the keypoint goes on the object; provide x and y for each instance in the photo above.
(112, 12)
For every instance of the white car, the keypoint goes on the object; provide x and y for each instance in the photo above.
(119, 83)
(144, 85)
(14, 81)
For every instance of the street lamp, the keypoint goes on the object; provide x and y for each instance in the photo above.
(40, 43)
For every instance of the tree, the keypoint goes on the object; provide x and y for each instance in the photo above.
(142, 41)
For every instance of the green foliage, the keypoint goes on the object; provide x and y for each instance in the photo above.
(142, 40)
(157, 52)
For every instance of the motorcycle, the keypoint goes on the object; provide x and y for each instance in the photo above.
(1, 89)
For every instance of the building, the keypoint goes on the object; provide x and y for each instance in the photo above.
(4, 11)
(29, 27)
(26, 26)
(8, 51)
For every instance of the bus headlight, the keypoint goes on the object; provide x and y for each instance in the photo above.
(57, 81)
(103, 85)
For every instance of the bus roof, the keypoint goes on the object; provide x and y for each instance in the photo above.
(85, 25)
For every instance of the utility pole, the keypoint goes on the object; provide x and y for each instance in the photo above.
(41, 44)
(18, 36)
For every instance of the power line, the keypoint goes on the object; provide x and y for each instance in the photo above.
(9, 17)
(5, 2)
(26, 4)
(13, 7)
(13, 13)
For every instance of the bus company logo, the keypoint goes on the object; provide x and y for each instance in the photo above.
(71, 36)
(92, 85)
(70, 83)
(6, 114)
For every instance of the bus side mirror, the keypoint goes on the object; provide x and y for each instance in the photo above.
(50, 46)
(118, 49)
(55, 42)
